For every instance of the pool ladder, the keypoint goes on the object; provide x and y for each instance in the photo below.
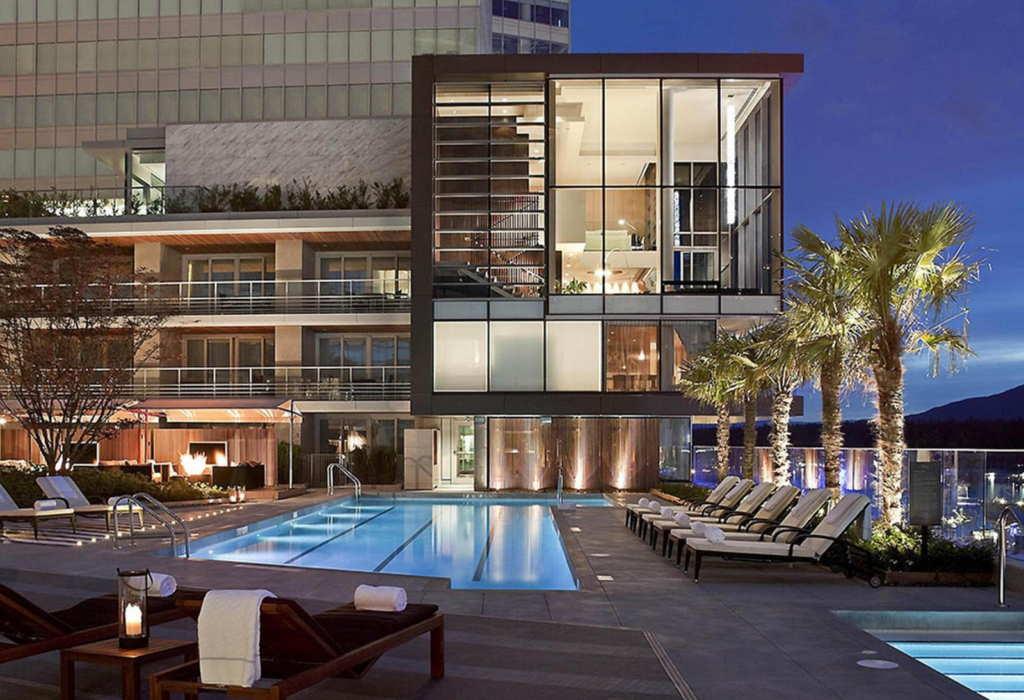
(156, 510)
(1003, 523)
(331, 468)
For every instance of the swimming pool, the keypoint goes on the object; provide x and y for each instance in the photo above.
(483, 543)
(982, 651)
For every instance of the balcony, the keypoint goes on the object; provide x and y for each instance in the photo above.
(351, 296)
(302, 383)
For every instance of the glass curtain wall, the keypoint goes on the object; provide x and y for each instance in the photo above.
(489, 185)
(664, 186)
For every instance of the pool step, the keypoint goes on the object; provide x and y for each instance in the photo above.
(994, 670)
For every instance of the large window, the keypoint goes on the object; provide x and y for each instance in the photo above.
(574, 355)
(631, 356)
(517, 356)
(664, 186)
(460, 356)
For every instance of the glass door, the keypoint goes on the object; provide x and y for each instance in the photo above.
(465, 454)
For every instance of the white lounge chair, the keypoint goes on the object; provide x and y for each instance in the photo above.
(762, 528)
(63, 488)
(635, 510)
(744, 510)
(729, 502)
(805, 546)
(10, 512)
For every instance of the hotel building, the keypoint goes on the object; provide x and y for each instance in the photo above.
(563, 230)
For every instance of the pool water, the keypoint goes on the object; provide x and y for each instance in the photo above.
(994, 670)
(477, 543)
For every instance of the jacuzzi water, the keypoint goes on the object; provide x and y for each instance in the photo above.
(479, 543)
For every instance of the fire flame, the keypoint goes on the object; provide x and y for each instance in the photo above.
(193, 465)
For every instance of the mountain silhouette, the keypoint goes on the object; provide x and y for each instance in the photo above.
(1005, 406)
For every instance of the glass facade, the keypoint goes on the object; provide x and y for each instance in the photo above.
(665, 186)
(565, 356)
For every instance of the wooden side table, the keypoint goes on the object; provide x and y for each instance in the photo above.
(131, 661)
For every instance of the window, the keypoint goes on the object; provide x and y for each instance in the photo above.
(631, 356)
(460, 356)
(573, 356)
(681, 341)
(517, 356)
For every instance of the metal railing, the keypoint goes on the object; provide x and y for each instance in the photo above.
(331, 468)
(156, 510)
(1003, 523)
(319, 383)
(238, 297)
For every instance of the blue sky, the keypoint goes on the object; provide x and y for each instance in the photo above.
(901, 99)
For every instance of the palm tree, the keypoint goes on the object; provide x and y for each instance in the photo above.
(710, 378)
(910, 273)
(751, 388)
(776, 357)
(822, 310)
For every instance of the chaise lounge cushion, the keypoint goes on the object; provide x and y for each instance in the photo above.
(351, 628)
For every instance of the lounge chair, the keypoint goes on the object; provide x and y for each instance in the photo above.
(803, 547)
(729, 502)
(300, 650)
(30, 630)
(63, 488)
(10, 512)
(745, 509)
(635, 510)
(762, 529)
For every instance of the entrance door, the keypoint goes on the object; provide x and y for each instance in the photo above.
(458, 463)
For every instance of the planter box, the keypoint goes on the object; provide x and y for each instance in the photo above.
(936, 578)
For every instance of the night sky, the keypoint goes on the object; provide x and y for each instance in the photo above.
(901, 99)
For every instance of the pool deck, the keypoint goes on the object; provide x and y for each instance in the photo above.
(637, 629)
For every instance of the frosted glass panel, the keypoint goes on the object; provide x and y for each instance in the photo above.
(574, 356)
(460, 356)
(517, 356)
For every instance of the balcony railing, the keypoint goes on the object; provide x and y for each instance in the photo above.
(311, 383)
(235, 297)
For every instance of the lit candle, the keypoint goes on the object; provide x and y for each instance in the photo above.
(133, 620)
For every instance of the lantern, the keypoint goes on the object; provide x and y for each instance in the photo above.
(133, 622)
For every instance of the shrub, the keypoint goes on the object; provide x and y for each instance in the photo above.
(685, 490)
(282, 461)
(375, 465)
(899, 549)
(21, 484)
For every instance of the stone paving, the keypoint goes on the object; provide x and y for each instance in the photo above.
(745, 628)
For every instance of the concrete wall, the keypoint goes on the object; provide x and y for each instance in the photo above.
(327, 152)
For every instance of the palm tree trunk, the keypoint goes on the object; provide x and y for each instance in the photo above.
(749, 437)
(722, 435)
(889, 440)
(831, 422)
(782, 404)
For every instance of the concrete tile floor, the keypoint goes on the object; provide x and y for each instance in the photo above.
(745, 628)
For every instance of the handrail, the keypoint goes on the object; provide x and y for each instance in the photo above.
(352, 477)
(141, 500)
(1002, 524)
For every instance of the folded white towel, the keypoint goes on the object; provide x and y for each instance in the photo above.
(714, 534)
(229, 637)
(667, 512)
(698, 527)
(380, 598)
(162, 585)
(643, 502)
(682, 520)
(46, 504)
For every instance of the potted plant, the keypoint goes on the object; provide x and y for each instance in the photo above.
(896, 555)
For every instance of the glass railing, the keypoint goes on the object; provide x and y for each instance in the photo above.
(351, 296)
(977, 484)
(230, 198)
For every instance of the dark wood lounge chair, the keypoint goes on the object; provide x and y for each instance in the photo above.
(299, 650)
(27, 630)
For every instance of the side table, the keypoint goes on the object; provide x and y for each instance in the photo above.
(131, 661)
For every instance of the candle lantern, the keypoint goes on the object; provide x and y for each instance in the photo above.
(133, 622)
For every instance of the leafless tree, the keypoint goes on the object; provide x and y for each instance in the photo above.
(76, 319)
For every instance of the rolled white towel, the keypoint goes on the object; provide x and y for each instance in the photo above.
(714, 534)
(667, 512)
(698, 527)
(682, 520)
(114, 499)
(380, 598)
(654, 505)
(162, 585)
(643, 502)
(46, 504)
